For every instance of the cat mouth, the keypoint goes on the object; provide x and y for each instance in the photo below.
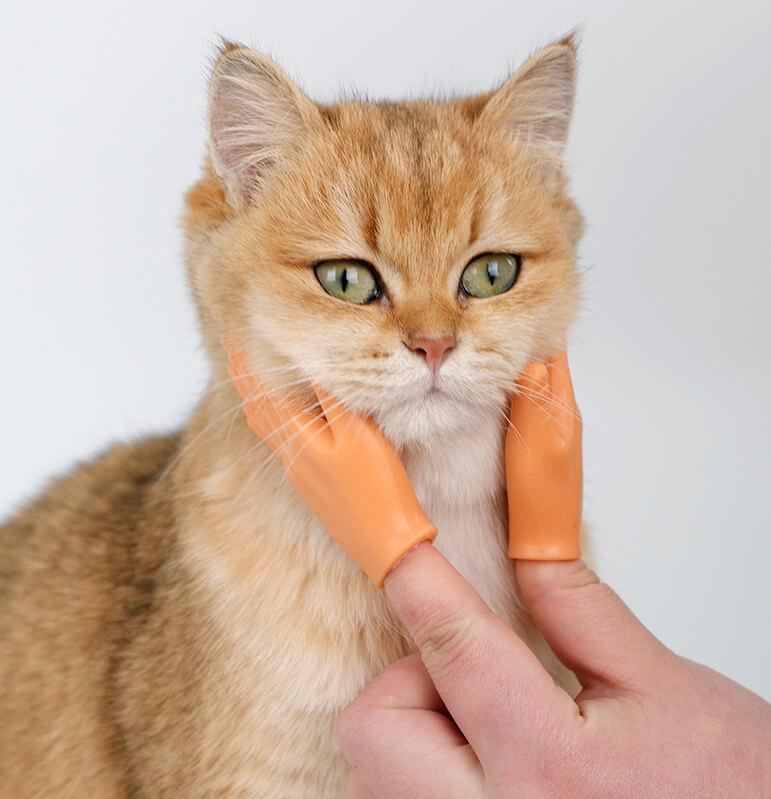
(434, 394)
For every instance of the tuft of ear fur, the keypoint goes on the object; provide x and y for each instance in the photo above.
(256, 114)
(536, 102)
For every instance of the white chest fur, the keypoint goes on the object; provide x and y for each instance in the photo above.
(460, 483)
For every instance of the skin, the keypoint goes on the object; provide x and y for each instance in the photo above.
(647, 724)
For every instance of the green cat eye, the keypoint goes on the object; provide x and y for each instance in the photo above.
(490, 274)
(352, 281)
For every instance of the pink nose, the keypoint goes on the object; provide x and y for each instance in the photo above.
(434, 350)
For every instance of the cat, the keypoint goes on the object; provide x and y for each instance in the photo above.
(173, 621)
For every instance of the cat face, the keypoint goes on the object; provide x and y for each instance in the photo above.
(387, 204)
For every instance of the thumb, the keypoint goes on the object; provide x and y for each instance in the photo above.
(588, 626)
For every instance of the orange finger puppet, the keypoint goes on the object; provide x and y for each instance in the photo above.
(544, 464)
(342, 466)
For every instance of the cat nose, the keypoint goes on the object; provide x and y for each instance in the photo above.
(434, 350)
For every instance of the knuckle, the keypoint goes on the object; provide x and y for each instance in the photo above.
(448, 643)
(578, 576)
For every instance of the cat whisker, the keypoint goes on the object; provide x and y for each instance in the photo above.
(544, 409)
(511, 426)
(229, 380)
(197, 436)
(274, 454)
(550, 400)
(231, 410)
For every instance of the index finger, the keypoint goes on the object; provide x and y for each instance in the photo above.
(491, 683)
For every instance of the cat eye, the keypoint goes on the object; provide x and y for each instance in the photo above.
(490, 274)
(352, 281)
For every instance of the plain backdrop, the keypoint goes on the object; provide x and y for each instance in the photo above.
(102, 130)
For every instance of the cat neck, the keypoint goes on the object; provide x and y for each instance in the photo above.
(461, 469)
(459, 481)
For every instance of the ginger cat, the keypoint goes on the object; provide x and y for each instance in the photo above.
(173, 621)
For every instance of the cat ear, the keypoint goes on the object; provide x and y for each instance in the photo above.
(536, 102)
(256, 115)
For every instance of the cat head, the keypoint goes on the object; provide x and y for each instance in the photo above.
(410, 257)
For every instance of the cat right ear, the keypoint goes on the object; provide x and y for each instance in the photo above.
(536, 103)
(256, 115)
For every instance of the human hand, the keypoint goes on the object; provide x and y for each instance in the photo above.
(476, 715)
(544, 464)
(342, 466)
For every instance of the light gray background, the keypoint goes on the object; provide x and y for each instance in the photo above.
(102, 131)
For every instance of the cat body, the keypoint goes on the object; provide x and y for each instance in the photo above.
(174, 621)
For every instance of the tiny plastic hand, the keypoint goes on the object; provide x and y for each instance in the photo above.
(544, 475)
(342, 466)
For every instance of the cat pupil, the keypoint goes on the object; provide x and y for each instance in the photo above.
(492, 272)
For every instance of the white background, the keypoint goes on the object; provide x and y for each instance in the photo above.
(101, 131)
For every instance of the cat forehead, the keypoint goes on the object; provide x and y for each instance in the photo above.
(421, 140)
(408, 176)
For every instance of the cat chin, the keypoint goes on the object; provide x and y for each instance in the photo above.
(430, 420)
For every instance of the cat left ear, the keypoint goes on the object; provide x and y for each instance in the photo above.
(536, 102)
(256, 115)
